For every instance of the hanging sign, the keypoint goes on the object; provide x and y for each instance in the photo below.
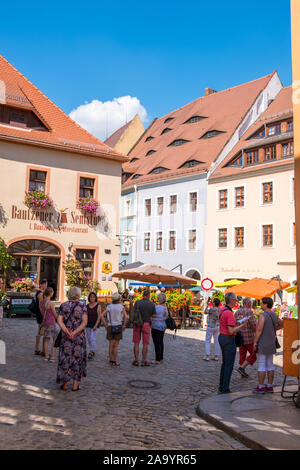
(207, 284)
(106, 267)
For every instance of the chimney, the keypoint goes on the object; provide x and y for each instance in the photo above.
(209, 91)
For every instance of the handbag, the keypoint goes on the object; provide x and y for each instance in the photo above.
(115, 329)
(170, 322)
(277, 344)
(59, 336)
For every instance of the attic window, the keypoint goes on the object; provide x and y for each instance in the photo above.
(167, 129)
(150, 152)
(125, 177)
(178, 142)
(210, 134)
(191, 163)
(194, 119)
(168, 119)
(136, 176)
(17, 117)
(149, 138)
(237, 162)
(133, 160)
(159, 169)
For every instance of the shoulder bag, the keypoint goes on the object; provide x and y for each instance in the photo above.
(59, 336)
(115, 329)
(277, 344)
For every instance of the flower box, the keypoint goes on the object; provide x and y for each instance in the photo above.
(88, 205)
(38, 200)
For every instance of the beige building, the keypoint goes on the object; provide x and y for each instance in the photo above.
(123, 139)
(42, 149)
(250, 230)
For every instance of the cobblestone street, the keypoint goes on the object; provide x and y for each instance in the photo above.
(108, 412)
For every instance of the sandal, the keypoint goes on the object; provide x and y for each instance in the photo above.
(145, 364)
(135, 363)
(115, 363)
(37, 353)
(75, 389)
(63, 388)
(91, 355)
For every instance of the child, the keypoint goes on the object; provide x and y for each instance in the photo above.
(49, 323)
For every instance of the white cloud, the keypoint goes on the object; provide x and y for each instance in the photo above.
(103, 118)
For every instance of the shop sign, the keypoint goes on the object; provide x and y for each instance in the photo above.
(106, 267)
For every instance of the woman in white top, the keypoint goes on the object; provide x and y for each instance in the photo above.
(114, 319)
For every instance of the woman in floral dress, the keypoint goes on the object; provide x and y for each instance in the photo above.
(72, 319)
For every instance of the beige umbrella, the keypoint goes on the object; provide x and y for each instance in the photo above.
(154, 274)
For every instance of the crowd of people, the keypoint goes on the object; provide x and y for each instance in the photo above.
(230, 329)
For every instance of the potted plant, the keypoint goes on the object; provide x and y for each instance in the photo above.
(88, 205)
(38, 200)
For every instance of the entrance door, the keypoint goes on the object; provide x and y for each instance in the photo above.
(37, 259)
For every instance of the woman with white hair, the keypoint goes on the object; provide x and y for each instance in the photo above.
(72, 319)
(114, 319)
(158, 327)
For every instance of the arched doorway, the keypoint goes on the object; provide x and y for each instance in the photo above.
(194, 274)
(37, 259)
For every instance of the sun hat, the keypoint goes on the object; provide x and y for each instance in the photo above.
(115, 297)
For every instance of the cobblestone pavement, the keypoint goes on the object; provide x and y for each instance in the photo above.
(108, 412)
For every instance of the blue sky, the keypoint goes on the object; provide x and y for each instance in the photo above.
(163, 52)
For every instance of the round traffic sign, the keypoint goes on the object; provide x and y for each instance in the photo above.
(207, 284)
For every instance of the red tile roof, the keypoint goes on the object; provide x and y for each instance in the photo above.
(64, 133)
(280, 108)
(222, 111)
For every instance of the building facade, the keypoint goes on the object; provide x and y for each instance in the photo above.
(43, 150)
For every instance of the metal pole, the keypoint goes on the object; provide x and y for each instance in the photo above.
(295, 31)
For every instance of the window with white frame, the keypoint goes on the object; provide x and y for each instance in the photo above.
(267, 235)
(222, 238)
(193, 201)
(239, 237)
(159, 241)
(240, 196)
(160, 205)
(172, 240)
(192, 239)
(147, 207)
(173, 204)
(147, 241)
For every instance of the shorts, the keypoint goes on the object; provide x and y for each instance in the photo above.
(115, 336)
(138, 332)
(50, 331)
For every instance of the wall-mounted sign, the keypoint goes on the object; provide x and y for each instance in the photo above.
(207, 284)
(106, 267)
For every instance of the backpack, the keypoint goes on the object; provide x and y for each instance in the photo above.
(136, 318)
(34, 308)
(170, 323)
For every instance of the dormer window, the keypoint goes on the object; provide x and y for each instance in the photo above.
(150, 152)
(149, 138)
(158, 169)
(167, 129)
(22, 118)
(193, 119)
(210, 134)
(191, 163)
(125, 177)
(133, 160)
(178, 142)
(136, 176)
(17, 119)
(168, 119)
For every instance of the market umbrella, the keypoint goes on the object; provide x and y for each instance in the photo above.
(257, 288)
(230, 283)
(154, 274)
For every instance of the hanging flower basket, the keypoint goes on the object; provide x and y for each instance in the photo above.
(88, 205)
(38, 200)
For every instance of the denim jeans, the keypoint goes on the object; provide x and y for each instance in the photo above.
(228, 348)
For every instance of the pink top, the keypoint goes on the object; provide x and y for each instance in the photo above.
(226, 318)
(49, 317)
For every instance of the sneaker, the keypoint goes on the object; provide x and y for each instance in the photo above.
(269, 389)
(259, 390)
(243, 372)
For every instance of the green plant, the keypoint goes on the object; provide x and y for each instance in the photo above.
(219, 294)
(5, 258)
(75, 277)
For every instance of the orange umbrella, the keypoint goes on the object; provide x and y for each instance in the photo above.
(257, 288)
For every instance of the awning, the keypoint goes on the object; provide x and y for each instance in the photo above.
(292, 289)
(154, 274)
(230, 283)
(257, 288)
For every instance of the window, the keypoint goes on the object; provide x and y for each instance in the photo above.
(125, 248)
(267, 193)
(194, 119)
(86, 258)
(290, 126)
(223, 199)
(147, 207)
(37, 180)
(192, 239)
(239, 237)
(239, 196)
(160, 205)
(149, 138)
(159, 241)
(191, 163)
(136, 176)
(270, 153)
(150, 152)
(288, 149)
(168, 119)
(147, 241)
(278, 129)
(158, 169)
(193, 201)
(251, 157)
(222, 243)
(178, 142)
(267, 232)
(272, 130)
(86, 188)
(173, 204)
(172, 240)
(17, 119)
(133, 160)
(125, 177)
(237, 161)
(210, 134)
(167, 129)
